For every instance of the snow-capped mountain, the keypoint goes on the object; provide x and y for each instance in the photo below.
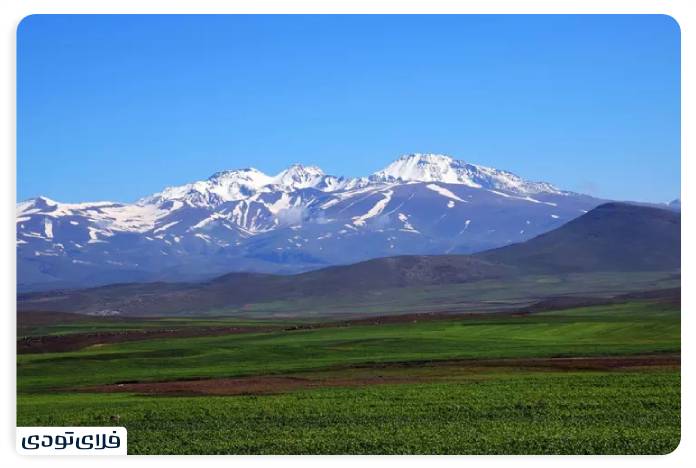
(441, 168)
(299, 219)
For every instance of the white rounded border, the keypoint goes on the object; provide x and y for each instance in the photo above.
(14, 10)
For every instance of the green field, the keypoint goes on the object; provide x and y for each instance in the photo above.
(450, 400)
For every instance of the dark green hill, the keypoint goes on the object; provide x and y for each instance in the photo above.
(238, 289)
(612, 237)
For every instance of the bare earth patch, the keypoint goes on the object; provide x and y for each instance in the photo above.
(383, 373)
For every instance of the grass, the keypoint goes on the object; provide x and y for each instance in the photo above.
(507, 413)
(617, 329)
(470, 411)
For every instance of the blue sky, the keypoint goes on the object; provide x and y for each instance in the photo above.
(117, 107)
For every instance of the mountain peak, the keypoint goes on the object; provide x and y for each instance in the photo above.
(426, 158)
(247, 174)
(36, 204)
(431, 167)
(44, 201)
(299, 176)
(298, 168)
(244, 170)
(423, 167)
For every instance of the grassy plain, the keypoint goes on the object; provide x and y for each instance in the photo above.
(506, 412)
(465, 408)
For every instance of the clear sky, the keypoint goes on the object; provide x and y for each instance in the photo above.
(118, 107)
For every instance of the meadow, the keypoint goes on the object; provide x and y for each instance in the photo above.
(480, 384)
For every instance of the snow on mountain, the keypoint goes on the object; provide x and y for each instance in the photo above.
(298, 176)
(219, 188)
(444, 192)
(299, 219)
(441, 168)
(243, 184)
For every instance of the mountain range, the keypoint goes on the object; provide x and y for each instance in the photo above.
(614, 238)
(298, 220)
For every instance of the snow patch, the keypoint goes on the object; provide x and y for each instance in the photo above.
(466, 226)
(375, 210)
(48, 228)
(165, 227)
(527, 198)
(408, 227)
(444, 192)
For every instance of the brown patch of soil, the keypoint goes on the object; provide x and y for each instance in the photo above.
(564, 363)
(260, 385)
(271, 384)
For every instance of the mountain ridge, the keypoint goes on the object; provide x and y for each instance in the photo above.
(297, 220)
